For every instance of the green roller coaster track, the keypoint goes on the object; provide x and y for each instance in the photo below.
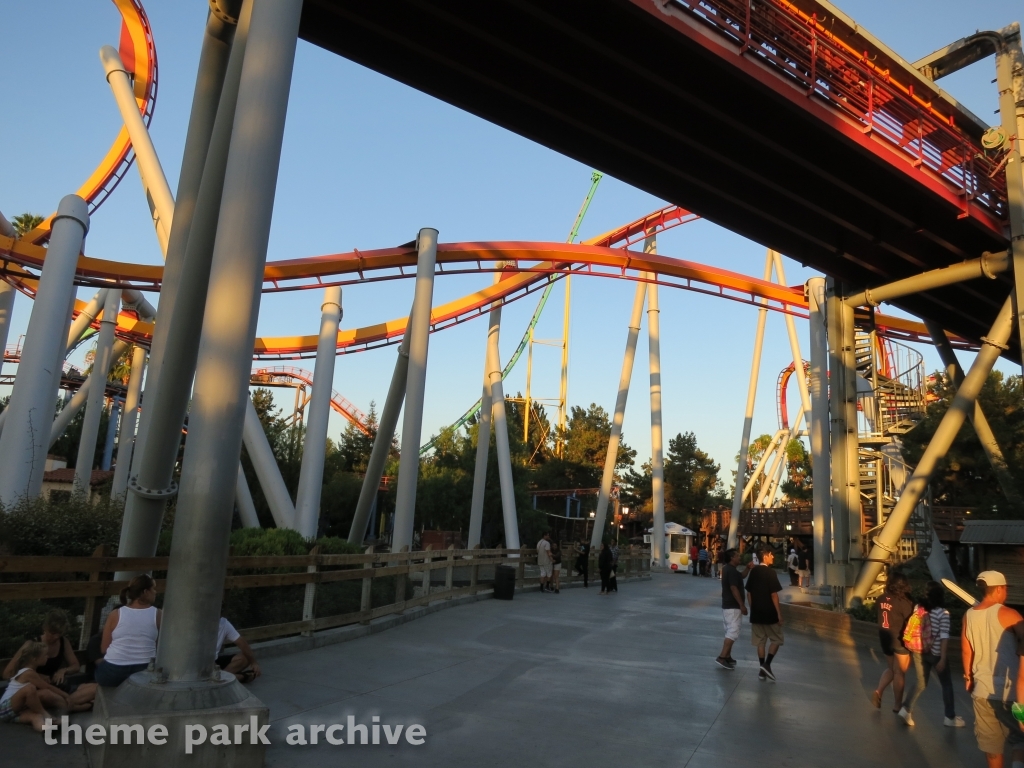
(595, 179)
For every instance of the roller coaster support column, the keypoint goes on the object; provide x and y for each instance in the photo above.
(819, 431)
(794, 343)
(267, 472)
(7, 294)
(176, 335)
(111, 436)
(963, 404)
(381, 445)
(409, 464)
(981, 426)
(76, 403)
(126, 435)
(658, 554)
(845, 488)
(508, 493)
(158, 193)
(611, 457)
(311, 474)
(23, 442)
(483, 444)
(243, 500)
(199, 545)
(748, 417)
(97, 391)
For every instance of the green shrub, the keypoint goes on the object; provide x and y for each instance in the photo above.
(69, 527)
(866, 612)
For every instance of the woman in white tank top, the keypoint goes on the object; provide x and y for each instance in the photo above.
(130, 634)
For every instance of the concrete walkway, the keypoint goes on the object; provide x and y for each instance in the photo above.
(581, 680)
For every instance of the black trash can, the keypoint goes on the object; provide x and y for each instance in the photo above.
(504, 582)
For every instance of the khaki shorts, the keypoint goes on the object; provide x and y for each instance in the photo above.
(994, 725)
(761, 634)
(545, 571)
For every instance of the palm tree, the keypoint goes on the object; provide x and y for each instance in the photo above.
(25, 223)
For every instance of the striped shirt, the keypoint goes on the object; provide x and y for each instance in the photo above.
(940, 629)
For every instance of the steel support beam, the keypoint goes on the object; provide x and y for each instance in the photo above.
(508, 491)
(982, 428)
(612, 454)
(126, 434)
(176, 335)
(311, 474)
(78, 401)
(97, 392)
(243, 500)
(264, 463)
(23, 442)
(412, 424)
(963, 404)
(483, 444)
(794, 343)
(989, 265)
(748, 415)
(821, 460)
(381, 445)
(111, 436)
(659, 556)
(202, 526)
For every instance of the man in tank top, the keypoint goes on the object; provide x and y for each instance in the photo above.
(992, 670)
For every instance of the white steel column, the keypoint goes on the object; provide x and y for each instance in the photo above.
(508, 493)
(483, 445)
(202, 525)
(97, 391)
(658, 554)
(381, 443)
(612, 454)
(311, 473)
(78, 401)
(821, 465)
(7, 294)
(794, 342)
(267, 471)
(243, 500)
(23, 442)
(748, 416)
(146, 160)
(412, 424)
(126, 435)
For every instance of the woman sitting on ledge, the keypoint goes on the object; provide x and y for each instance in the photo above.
(129, 636)
(61, 663)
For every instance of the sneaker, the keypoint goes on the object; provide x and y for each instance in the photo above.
(768, 672)
(905, 716)
(954, 722)
(761, 675)
(724, 663)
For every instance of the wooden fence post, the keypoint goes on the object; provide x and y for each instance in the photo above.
(400, 580)
(427, 573)
(91, 619)
(366, 599)
(309, 603)
(474, 571)
(449, 572)
(521, 571)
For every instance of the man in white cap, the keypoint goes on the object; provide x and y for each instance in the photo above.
(992, 670)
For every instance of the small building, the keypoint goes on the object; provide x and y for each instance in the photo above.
(58, 483)
(997, 545)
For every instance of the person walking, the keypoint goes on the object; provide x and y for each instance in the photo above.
(130, 634)
(702, 559)
(613, 582)
(936, 658)
(583, 561)
(992, 670)
(556, 566)
(694, 552)
(894, 609)
(734, 607)
(544, 562)
(604, 565)
(792, 561)
(763, 589)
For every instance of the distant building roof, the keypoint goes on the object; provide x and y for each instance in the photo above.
(993, 532)
(67, 475)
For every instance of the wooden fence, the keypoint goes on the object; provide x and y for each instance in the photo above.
(474, 568)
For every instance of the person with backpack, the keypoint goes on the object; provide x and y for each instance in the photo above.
(917, 639)
(894, 609)
(936, 657)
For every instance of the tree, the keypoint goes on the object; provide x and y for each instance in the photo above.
(964, 477)
(690, 478)
(798, 485)
(25, 223)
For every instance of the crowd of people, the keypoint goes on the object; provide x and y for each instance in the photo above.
(44, 676)
(549, 562)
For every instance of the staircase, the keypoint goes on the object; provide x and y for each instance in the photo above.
(891, 402)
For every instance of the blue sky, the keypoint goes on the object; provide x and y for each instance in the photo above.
(368, 161)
